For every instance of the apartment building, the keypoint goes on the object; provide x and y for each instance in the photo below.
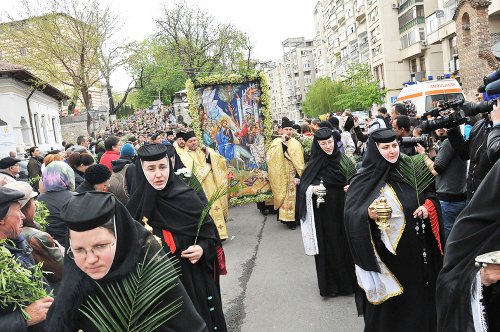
(361, 31)
(449, 27)
(320, 46)
(275, 71)
(402, 40)
(299, 73)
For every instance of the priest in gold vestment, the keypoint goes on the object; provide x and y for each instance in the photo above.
(285, 163)
(180, 144)
(211, 170)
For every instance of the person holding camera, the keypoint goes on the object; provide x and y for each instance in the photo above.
(451, 174)
(402, 127)
(482, 149)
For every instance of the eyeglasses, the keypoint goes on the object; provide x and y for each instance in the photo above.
(98, 250)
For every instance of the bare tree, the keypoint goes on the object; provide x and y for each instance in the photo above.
(201, 44)
(63, 45)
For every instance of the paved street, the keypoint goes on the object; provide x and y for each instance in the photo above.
(271, 284)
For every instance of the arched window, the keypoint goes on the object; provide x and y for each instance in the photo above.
(54, 128)
(466, 29)
(25, 130)
(44, 127)
(37, 128)
(466, 22)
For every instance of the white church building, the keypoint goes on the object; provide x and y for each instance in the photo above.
(29, 115)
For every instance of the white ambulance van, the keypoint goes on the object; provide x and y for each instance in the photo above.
(427, 95)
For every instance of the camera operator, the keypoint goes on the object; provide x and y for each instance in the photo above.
(451, 174)
(402, 127)
(482, 149)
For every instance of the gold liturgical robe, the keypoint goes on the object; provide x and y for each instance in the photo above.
(211, 176)
(282, 167)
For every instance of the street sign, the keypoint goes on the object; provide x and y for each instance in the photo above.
(394, 99)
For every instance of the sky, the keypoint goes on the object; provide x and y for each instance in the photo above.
(267, 22)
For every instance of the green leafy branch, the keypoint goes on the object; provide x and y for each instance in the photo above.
(34, 181)
(19, 286)
(136, 302)
(41, 214)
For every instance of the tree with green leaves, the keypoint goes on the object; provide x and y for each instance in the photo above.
(201, 45)
(64, 43)
(362, 89)
(161, 74)
(323, 97)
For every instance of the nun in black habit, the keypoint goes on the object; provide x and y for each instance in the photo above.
(397, 267)
(323, 227)
(118, 243)
(468, 298)
(173, 209)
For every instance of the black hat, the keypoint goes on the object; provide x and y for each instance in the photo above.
(188, 135)
(97, 173)
(325, 124)
(7, 162)
(152, 152)
(286, 123)
(334, 121)
(99, 207)
(169, 133)
(8, 196)
(179, 134)
(383, 135)
(323, 133)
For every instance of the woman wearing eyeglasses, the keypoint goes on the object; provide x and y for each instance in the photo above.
(105, 246)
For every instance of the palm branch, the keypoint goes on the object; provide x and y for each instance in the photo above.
(219, 193)
(413, 171)
(193, 181)
(348, 167)
(135, 303)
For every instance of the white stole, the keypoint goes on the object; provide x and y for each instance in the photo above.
(380, 286)
(308, 226)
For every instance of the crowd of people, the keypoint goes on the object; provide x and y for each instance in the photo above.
(117, 200)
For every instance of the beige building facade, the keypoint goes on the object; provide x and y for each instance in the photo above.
(9, 52)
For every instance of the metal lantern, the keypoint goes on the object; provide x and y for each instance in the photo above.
(321, 193)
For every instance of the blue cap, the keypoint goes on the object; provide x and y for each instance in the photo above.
(127, 150)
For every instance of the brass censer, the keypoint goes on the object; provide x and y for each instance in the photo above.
(150, 229)
(383, 210)
(321, 193)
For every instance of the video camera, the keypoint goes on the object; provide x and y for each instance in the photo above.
(424, 140)
(491, 87)
(463, 110)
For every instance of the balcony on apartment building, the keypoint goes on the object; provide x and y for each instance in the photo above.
(414, 49)
(440, 24)
(340, 14)
(340, 68)
(404, 5)
(412, 23)
(359, 11)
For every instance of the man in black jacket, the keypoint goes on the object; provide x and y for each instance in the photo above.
(450, 179)
(482, 149)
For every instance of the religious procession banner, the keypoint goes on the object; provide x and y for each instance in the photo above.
(231, 115)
